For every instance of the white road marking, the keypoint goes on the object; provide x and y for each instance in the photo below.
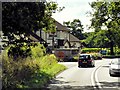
(92, 79)
(96, 78)
(95, 81)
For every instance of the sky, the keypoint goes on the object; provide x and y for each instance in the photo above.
(74, 9)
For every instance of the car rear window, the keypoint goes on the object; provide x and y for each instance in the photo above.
(84, 57)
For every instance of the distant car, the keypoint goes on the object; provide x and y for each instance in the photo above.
(114, 68)
(103, 52)
(86, 60)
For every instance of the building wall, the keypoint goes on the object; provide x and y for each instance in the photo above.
(66, 45)
(62, 35)
(76, 44)
(49, 36)
(58, 35)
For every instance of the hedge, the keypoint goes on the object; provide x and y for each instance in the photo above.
(30, 72)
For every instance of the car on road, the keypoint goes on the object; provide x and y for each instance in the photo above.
(114, 67)
(86, 60)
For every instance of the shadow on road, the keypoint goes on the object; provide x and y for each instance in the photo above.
(87, 67)
(62, 85)
(107, 66)
(69, 87)
(110, 84)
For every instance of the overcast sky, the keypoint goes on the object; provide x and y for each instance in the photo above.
(74, 9)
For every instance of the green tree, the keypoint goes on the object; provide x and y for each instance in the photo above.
(76, 28)
(107, 14)
(101, 39)
(97, 39)
(19, 18)
(89, 41)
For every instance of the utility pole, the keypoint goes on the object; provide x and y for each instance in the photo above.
(53, 33)
(40, 36)
(111, 47)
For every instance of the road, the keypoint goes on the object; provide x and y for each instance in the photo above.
(0, 72)
(75, 78)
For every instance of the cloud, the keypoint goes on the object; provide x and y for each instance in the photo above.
(74, 9)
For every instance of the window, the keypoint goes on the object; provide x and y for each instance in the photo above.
(85, 57)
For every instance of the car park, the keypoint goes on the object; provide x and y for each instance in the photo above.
(114, 67)
(86, 60)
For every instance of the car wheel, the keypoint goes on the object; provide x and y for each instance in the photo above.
(110, 73)
(93, 65)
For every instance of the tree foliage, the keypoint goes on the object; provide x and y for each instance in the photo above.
(107, 14)
(97, 39)
(21, 18)
(76, 28)
(18, 18)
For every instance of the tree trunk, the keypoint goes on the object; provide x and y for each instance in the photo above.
(111, 48)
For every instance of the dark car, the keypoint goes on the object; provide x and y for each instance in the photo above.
(86, 60)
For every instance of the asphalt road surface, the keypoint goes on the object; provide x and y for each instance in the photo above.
(90, 78)
(0, 72)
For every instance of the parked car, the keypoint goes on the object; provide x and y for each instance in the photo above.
(86, 60)
(114, 68)
(103, 52)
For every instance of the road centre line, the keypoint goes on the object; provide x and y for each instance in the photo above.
(94, 79)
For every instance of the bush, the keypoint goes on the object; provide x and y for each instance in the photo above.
(118, 51)
(37, 51)
(30, 72)
(76, 57)
(89, 50)
(19, 50)
(24, 50)
(97, 56)
(18, 73)
(48, 61)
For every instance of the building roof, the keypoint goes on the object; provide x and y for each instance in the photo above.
(73, 38)
(33, 38)
(61, 27)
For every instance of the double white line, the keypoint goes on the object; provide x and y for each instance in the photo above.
(94, 79)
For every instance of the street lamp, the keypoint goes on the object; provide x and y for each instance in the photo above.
(53, 34)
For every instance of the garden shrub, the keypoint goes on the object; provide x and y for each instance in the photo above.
(19, 50)
(25, 50)
(37, 51)
(33, 71)
(97, 56)
(50, 65)
(17, 73)
(89, 50)
(48, 61)
(118, 51)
